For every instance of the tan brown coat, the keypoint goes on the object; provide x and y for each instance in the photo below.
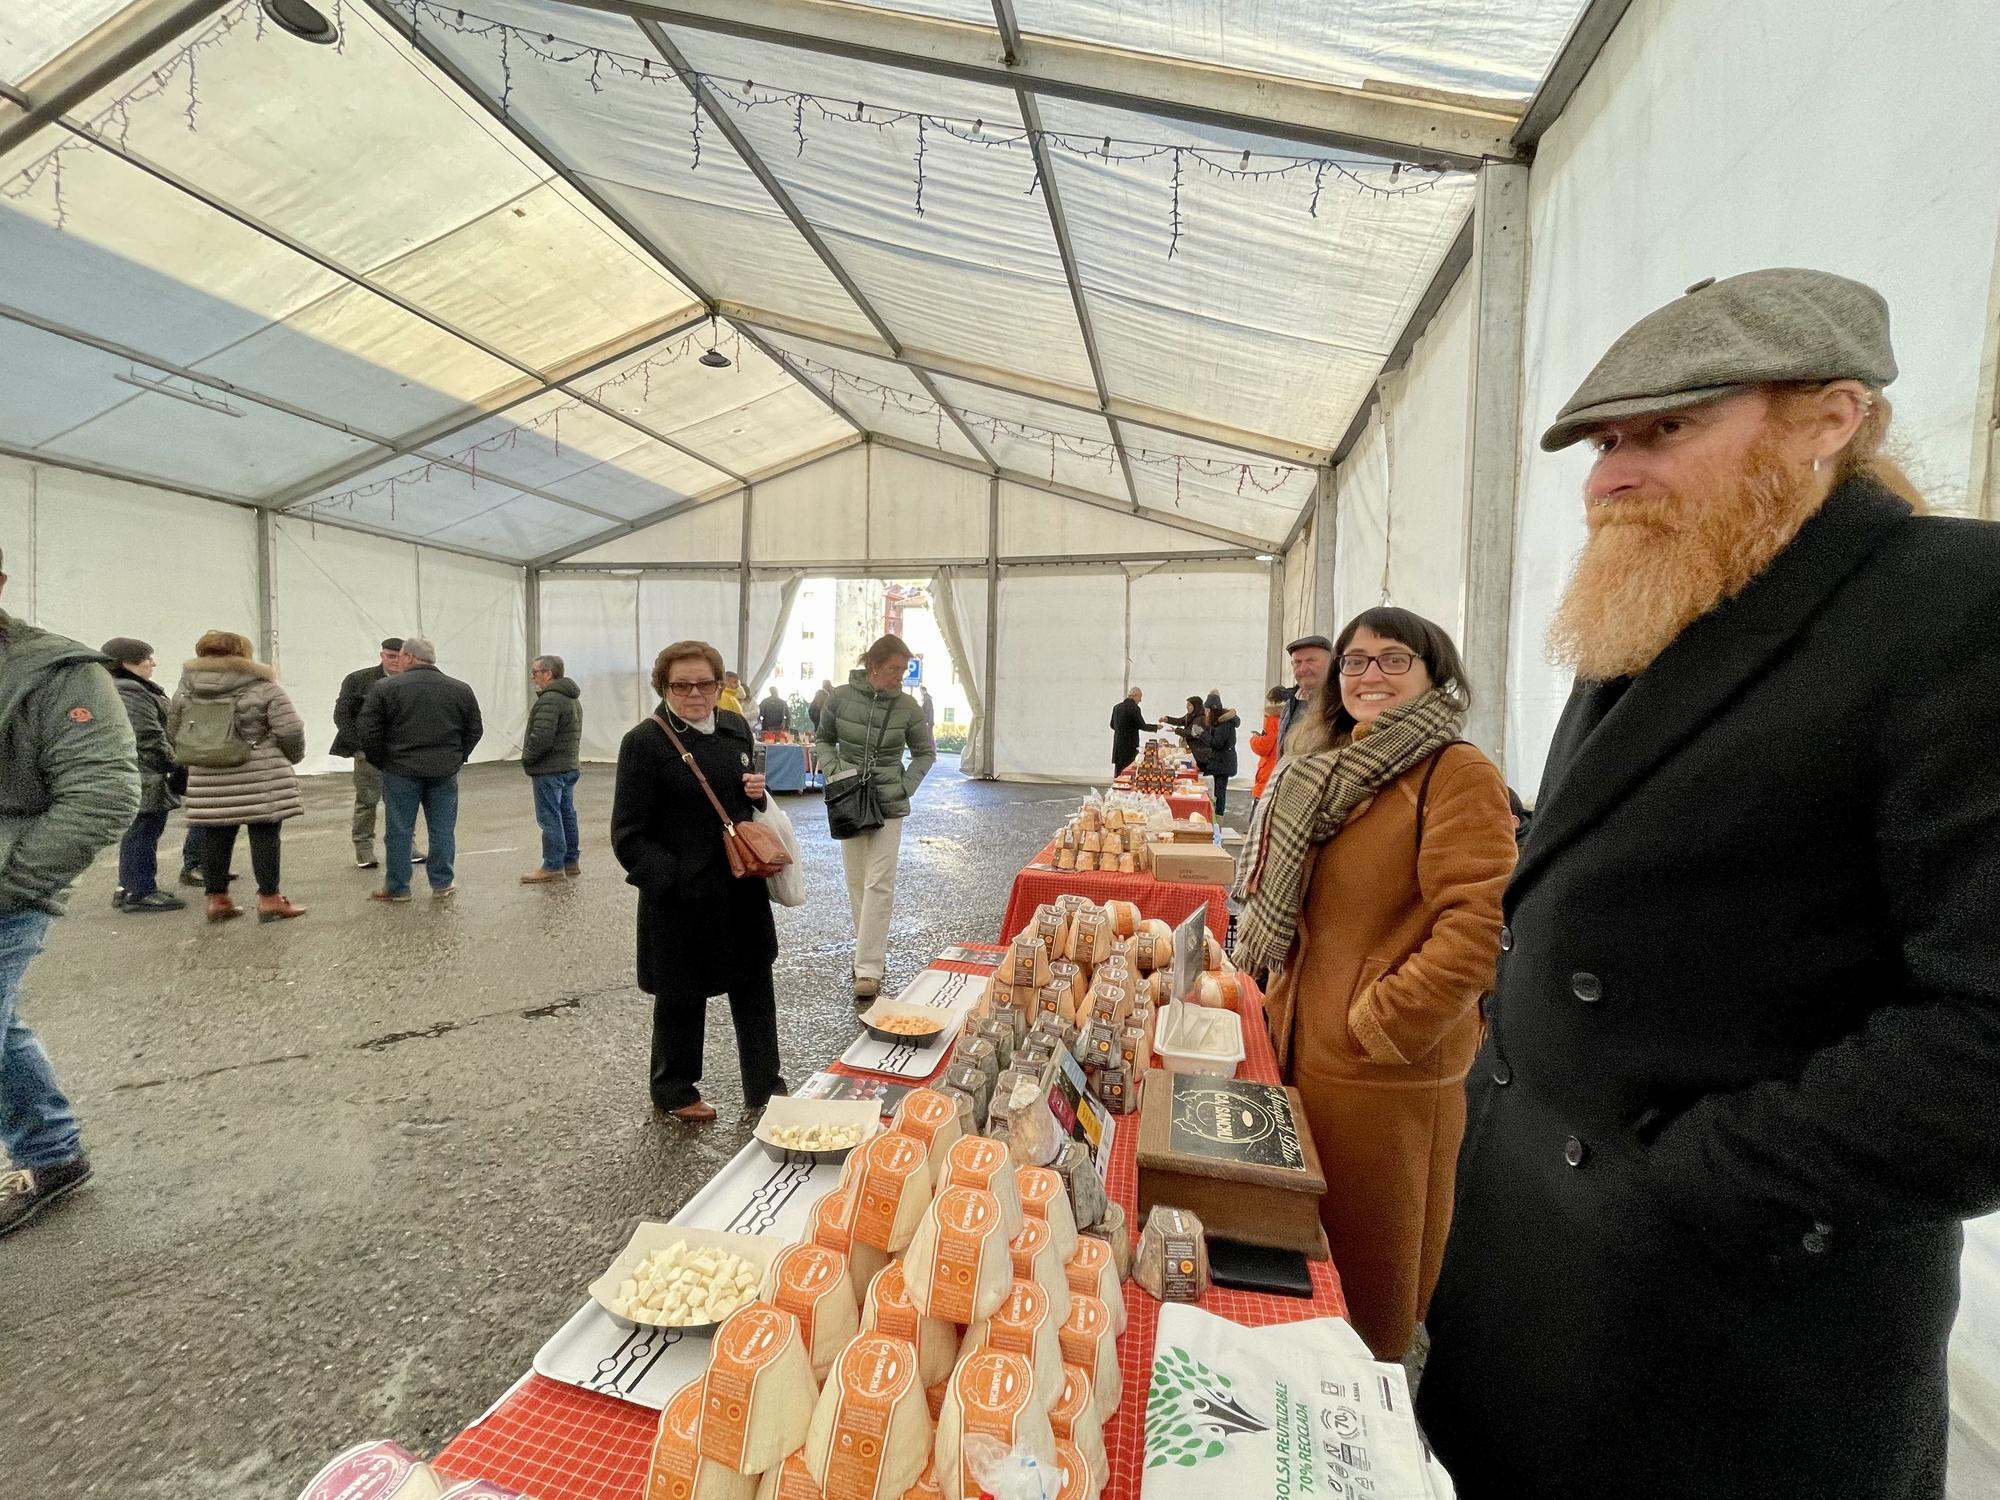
(263, 789)
(1376, 1019)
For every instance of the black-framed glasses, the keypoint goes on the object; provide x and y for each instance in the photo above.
(693, 689)
(1392, 663)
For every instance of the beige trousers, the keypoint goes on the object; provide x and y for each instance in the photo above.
(871, 891)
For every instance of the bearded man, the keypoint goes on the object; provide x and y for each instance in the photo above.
(1738, 1088)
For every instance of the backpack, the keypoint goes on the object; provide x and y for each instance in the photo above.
(207, 737)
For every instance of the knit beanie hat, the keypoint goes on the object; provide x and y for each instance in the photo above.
(125, 650)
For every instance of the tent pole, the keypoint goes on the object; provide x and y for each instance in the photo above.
(532, 594)
(1326, 551)
(743, 587)
(1500, 259)
(992, 673)
(267, 587)
(1274, 654)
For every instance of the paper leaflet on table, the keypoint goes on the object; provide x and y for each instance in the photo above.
(1292, 1411)
(1079, 1113)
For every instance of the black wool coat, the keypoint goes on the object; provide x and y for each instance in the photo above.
(701, 930)
(1126, 722)
(1739, 1086)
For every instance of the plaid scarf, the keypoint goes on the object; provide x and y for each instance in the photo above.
(1310, 797)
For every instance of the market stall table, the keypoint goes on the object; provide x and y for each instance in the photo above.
(1189, 796)
(1169, 901)
(789, 767)
(555, 1441)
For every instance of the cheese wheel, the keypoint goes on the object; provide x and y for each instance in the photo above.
(977, 1162)
(926, 1115)
(992, 1393)
(811, 1283)
(1123, 916)
(1026, 962)
(791, 1480)
(759, 1392)
(1077, 1480)
(678, 1470)
(871, 1432)
(1033, 1252)
(1086, 1341)
(1075, 1420)
(888, 1309)
(1021, 1325)
(1044, 1196)
(958, 1268)
(893, 1190)
(1116, 1233)
(1086, 861)
(1091, 1272)
(1089, 937)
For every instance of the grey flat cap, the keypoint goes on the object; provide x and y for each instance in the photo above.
(1761, 327)
(1310, 640)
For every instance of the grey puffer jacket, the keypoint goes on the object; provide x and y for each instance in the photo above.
(263, 789)
(859, 717)
(69, 781)
(146, 706)
(555, 729)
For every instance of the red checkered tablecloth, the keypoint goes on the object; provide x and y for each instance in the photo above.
(1170, 901)
(556, 1442)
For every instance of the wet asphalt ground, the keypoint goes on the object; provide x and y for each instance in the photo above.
(353, 1170)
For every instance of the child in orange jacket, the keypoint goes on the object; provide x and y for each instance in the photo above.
(1266, 744)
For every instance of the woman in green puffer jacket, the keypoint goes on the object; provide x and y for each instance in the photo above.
(867, 724)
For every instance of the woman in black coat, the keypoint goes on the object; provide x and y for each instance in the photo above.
(1215, 753)
(702, 931)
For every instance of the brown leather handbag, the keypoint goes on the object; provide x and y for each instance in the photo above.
(754, 852)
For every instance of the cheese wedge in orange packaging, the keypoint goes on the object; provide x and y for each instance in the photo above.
(1088, 1343)
(811, 1283)
(759, 1392)
(1044, 1196)
(1075, 1420)
(958, 1268)
(828, 1222)
(1033, 1252)
(886, 1308)
(791, 1480)
(892, 1190)
(871, 1431)
(991, 1393)
(1022, 1325)
(977, 1162)
(1093, 1272)
(1077, 1483)
(678, 1470)
(926, 1487)
(928, 1116)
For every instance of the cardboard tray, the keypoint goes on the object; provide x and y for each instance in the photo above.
(759, 1250)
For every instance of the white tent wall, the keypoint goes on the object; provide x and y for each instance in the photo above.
(1645, 186)
(1036, 523)
(710, 532)
(592, 621)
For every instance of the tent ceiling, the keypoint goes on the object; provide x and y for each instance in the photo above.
(448, 280)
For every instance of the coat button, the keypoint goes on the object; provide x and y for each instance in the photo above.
(1586, 987)
(1575, 1152)
(1506, 939)
(1502, 1074)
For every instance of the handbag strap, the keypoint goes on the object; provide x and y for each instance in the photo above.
(1424, 791)
(687, 758)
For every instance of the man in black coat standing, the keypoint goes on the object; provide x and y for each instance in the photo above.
(419, 726)
(1126, 722)
(347, 741)
(1737, 1092)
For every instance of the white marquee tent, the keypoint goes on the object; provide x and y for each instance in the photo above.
(1154, 330)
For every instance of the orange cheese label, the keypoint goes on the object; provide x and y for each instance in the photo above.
(1085, 1271)
(1039, 1188)
(927, 1486)
(676, 1456)
(974, 1161)
(1075, 1471)
(1072, 1401)
(1019, 1321)
(802, 1278)
(891, 1161)
(1033, 1240)
(1088, 1325)
(795, 1480)
(924, 1113)
(966, 1217)
(744, 1348)
(872, 1374)
(828, 1223)
(995, 1390)
(889, 1295)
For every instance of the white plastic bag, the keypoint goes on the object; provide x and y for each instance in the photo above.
(788, 886)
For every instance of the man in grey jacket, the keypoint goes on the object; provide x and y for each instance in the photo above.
(549, 754)
(69, 785)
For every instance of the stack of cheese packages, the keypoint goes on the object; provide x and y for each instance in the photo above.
(1109, 836)
(943, 1310)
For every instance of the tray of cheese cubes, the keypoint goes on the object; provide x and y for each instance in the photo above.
(824, 1129)
(674, 1276)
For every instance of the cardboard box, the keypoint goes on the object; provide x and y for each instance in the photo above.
(1200, 864)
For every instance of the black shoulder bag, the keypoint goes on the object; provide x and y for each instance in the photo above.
(853, 806)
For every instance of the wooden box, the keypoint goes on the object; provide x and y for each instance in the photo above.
(1236, 1154)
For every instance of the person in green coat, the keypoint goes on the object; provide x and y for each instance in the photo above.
(867, 725)
(549, 754)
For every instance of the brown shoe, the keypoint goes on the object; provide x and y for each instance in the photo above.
(698, 1113)
(542, 877)
(277, 908)
(221, 909)
(572, 871)
(389, 895)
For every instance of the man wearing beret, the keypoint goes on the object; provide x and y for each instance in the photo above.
(1739, 1084)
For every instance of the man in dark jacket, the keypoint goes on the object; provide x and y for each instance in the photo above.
(772, 713)
(1312, 664)
(132, 667)
(419, 726)
(1126, 722)
(1737, 1091)
(69, 785)
(347, 741)
(549, 754)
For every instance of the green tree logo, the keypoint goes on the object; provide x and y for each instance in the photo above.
(1190, 1413)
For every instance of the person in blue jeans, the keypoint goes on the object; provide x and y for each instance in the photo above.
(549, 754)
(69, 786)
(419, 727)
